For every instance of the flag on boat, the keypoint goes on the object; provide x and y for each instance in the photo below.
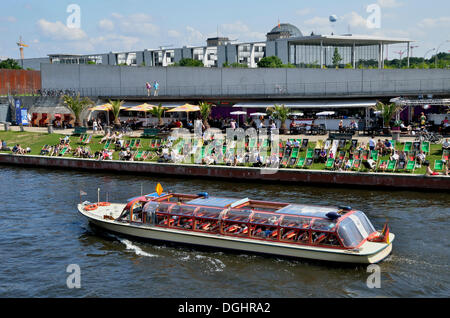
(82, 193)
(385, 233)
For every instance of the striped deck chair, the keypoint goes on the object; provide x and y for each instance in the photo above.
(425, 147)
(365, 155)
(383, 165)
(138, 155)
(82, 138)
(408, 146)
(445, 154)
(391, 166)
(294, 157)
(438, 165)
(329, 164)
(356, 165)
(304, 144)
(411, 166)
(138, 144)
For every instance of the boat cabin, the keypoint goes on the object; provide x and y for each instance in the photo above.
(319, 226)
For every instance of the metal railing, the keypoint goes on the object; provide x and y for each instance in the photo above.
(349, 88)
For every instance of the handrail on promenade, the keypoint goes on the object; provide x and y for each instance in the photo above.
(413, 86)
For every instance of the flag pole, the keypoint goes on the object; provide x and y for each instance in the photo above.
(98, 195)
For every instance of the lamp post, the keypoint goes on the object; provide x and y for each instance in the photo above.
(437, 51)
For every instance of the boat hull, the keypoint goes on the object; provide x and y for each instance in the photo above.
(242, 244)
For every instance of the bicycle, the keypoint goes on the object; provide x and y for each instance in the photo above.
(429, 137)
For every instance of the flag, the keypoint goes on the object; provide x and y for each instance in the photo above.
(159, 189)
(385, 233)
(82, 193)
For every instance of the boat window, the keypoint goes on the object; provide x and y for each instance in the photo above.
(179, 209)
(181, 222)
(324, 238)
(149, 211)
(163, 207)
(208, 213)
(207, 225)
(264, 232)
(324, 225)
(238, 215)
(162, 210)
(233, 228)
(349, 233)
(296, 222)
(365, 222)
(265, 218)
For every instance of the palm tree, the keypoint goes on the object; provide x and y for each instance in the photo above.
(158, 112)
(280, 112)
(116, 106)
(387, 111)
(205, 111)
(77, 106)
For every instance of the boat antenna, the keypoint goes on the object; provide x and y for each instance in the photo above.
(98, 195)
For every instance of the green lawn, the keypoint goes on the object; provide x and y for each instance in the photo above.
(37, 140)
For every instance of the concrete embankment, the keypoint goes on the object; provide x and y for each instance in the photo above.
(312, 177)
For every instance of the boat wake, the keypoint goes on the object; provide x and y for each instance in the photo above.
(137, 250)
(215, 265)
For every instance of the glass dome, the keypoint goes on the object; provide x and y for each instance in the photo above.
(286, 27)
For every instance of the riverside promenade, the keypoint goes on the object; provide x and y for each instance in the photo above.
(402, 181)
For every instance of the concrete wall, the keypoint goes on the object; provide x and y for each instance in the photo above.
(292, 176)
(34, 63)
(105, 80)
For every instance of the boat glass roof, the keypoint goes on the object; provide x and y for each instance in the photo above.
(307, 210)
(213, 201)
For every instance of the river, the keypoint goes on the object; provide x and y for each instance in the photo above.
(41, 234)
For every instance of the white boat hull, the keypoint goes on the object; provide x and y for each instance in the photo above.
(369, 253)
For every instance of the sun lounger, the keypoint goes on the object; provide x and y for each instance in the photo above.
(357, 155)
(329, 164)
(408, 146)
(138, 155)
(392, 164)
(294, 157)
(83, 138)
(438, 165)
(300, 163)
(411, 166)
(63, 151)
(138, 144)
(374, 155)
(310, 154)
(425, 147)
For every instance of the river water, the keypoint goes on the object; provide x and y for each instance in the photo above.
(41, 234)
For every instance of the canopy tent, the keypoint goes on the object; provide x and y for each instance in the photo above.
(326, 113)
(237, 113)
(258, 114)
(350, 103)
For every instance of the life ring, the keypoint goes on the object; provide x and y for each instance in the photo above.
(91, 207)
(104, 204)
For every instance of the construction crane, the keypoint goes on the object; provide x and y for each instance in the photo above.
(21, 45)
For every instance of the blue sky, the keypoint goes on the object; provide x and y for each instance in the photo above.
(119, 25)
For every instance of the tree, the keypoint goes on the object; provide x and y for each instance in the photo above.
(270, 62)
(280, 112)
(187, 62)
(77, 106)
(387, 111)
(336, 57)
(158, 112)
(10, 64)
(116, 106)
(205, 111)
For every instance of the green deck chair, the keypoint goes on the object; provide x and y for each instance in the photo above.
(392, 164)
(383, 165)
(300, 163)
(408, 146)
(445, 154)
(310, 154)
(108, 143)
(411, 166)
(83, 138)
(329, 164)
(438, 165)
(374, 155)
(425, 147)
(63, 151)
(356, 166)
(294, 157)
(138, 155)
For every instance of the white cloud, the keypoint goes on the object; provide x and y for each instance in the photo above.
(389, 3)
(303, 12)
(194, 36)
(355, 20)
(58, 31)
(436, 22)
(139, 23)
(173, 34)
(242, 31)
(106, 25)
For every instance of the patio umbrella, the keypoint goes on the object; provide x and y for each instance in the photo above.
(238, 113)
(258, 114)
(142, 108)
(326, 113)
(186, 108)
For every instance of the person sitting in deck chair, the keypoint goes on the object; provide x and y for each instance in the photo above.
(446, 144)
(420, 158)
(372, 164)
(105, 138)
(429, 172)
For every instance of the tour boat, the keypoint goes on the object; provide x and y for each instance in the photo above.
(337, 234)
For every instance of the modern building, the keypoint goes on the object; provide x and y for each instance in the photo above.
(285, 41)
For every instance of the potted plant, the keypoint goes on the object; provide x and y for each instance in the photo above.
(387, 111)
